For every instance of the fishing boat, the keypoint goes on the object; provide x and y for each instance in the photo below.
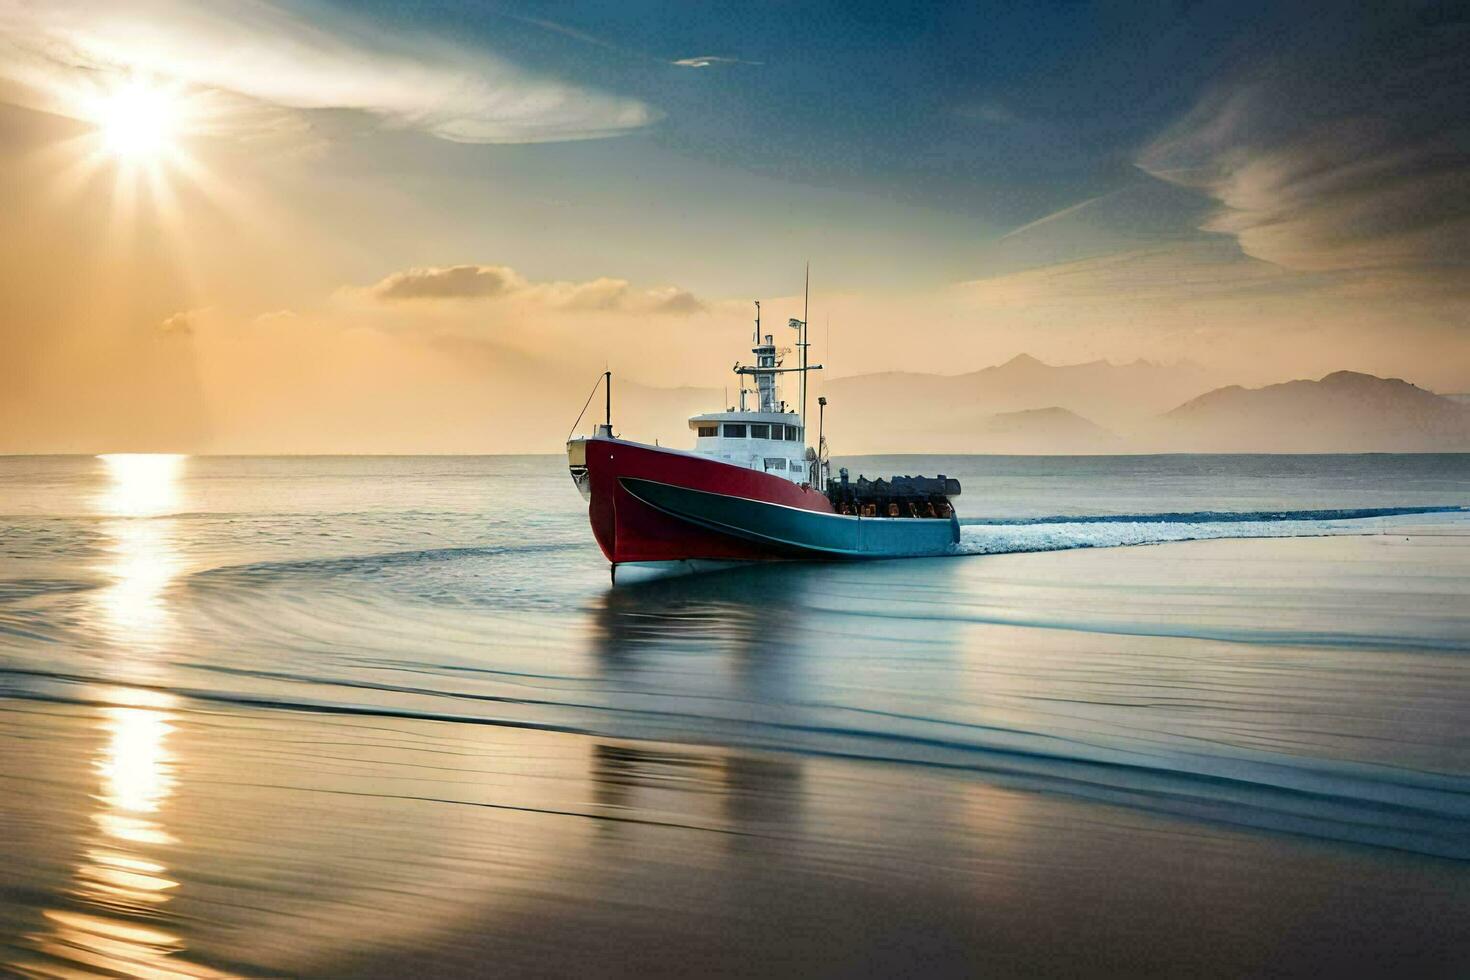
(751, 489)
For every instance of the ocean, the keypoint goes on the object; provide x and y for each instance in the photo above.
(370, 715)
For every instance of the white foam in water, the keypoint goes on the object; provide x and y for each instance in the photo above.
(1111, 531)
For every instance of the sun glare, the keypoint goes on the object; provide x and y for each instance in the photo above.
(139, 121)
(141, 484)
(141, 133)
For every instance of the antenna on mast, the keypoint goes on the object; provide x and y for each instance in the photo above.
(806, 295)
(757, 322)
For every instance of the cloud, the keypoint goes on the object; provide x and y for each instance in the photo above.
(181, 324)
(673, 300)
(1065, 212)
(202, 321)
(276, 317)
(617, 296)
(472, 283)
(254, 49)
(710, 61)
(454, 282)
(1348, 157)
(1169, 276)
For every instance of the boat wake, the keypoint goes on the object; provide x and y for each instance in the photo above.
(996, 536)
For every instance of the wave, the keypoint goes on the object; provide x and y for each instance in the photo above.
(1324, 639)
(377, 561)
(14, 590)
(1218, 516)
(1405, 809)
(991, 536)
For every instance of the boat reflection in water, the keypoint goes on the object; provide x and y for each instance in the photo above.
(746, 615)
(742, 794)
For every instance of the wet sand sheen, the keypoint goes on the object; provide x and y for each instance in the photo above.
(298, 844)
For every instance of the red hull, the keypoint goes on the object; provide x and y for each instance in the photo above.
(629, 530)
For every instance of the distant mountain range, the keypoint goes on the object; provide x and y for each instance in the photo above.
(1109, 394)
(1054, 431)
(989, 410)
(1342, 412)
(1027, 406)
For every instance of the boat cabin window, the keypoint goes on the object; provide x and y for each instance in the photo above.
(707, 431)
(775, 463)
(760, 431)
(734, 430)
(793, 433)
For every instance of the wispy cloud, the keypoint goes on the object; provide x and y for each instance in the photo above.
(1173, 274)
(180, 324)
(453, 282)
(1343, 159)
(475, 283)
(267, 54)
(1054, 216)
(586, 37)
(710, 61)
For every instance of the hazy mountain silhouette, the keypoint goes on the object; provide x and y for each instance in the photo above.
(911, 412)
(1343, 412)
(1050, 431)
(1112, 394)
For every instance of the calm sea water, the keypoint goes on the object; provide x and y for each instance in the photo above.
(365, 715)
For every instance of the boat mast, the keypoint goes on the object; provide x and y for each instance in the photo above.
(739, 370)
(801, 332)
(806, 295)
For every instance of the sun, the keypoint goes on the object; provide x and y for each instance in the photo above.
(138, 121)
(146, 135)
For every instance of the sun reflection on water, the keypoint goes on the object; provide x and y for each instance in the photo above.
(141, 484)
(135, 770)
(142, 551)
(115, 920)
(112, 919)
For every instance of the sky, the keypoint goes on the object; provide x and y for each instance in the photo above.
(391, 227)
